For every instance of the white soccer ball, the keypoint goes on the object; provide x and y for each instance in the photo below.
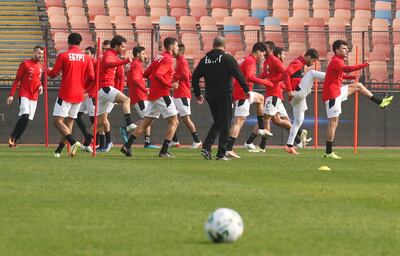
(224, 226)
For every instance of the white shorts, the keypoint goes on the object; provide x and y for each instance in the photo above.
(164, 106)
(27, 107)
(66, 109)
(183, 106)
(87, 107)
(274, 105)
(110, 107)
(242, 107)
(141, 108)
(106, 96)
(334, 106)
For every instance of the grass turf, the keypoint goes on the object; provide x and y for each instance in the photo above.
(145, 205)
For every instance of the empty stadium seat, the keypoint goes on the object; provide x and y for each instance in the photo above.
(282, 14)
(219, 4)
(380, 32)
(242, 14)
(115, 3)
(272, 30)
(198, 4)
(396, 31)
(178, 12)
(344, 14)
(157, 3)
(383, 10)
(192, 45)
(342, 4)
(94, 3)
(337, 28)
(54, 3)
(378, 71)
(73, 3)
(322, 13)
(55, 11)
(116, 11)
(321, 4)
(260, 14)
(177, 4)
(280, 4)
(362, 5)
(240, 4)
(300, 4)
(219, 14)
(198, 12)
(317, 37)
(296, 31)
(95, 10)
(75, 11)
(156, 13)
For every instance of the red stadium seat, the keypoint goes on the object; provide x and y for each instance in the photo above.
(239, 4)
(135, 4)
(380, 32)
(116, 11)
(378, 71)
(54, 3)
(55, 11)
(95, 10)
(73, 3)
(344, 14)
(321, 4)
(156, 13)
(342, 4)
(396, 32)
(198, 12)
(157, 3)
(282, 14)
(219, 15)
(259, 4)
(95, 3)
(362, 5)
(192, 45)
(242, 14)
(178, 12)
(322, 13)
(198, 4)
(177, 4)
(296, 29)
(280, 4)
(115, 3)
(219, 4)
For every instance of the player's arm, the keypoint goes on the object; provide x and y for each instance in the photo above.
(57, 67)
(109, 62)
(236, 73)
(197, 74)
(18, 78)
(119, 77)
(349, 69)
(248, 72)
(137, 78)
(148, 70)
(291, 69)
(90, 70)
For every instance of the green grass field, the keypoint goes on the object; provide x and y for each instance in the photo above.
(145, 205)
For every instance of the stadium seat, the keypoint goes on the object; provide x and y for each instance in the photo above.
(322, 13)
(157, 4)
(344, 14)
(397, 4)
(208, 33)
(296, 31)
(342, 4)
(192, 45)
(282, 14)
(317, 37)
(396, 32)
(259, 4)
(136, 11)
(260, 14)
(187, 25)
(321, 4)
(177, 4)
(135, 4)
(280, 4)
(58, 21)
(272, 30)
(219, 15)
(242, 14)
(240, 4)
(380, 32)
(55, 11)
(79, 22)
(115, 3)
(95, 10)
(241, 54)
(301, 13)
(198, 4)
(362, 5)
(233, 47)
(297, 48)
(178, 12)
(116, 11)
(381, 50)
(102, 19)
(94, 3)
(219, 4)
(378, 71)
(300, 4)
(363, 14)
(232, 31)
(120, 20)
(207, 21)
(198, 12)
(383, 14)
(252, 21)
(54, 3)
(337, 28)
(167, 27)
(351, 58)
(156, 13)
(73, 3)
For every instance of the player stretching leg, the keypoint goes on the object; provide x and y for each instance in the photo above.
(334, 93)
(242, 104)
(160, 73)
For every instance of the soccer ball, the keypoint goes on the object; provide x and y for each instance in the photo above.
(224, 226)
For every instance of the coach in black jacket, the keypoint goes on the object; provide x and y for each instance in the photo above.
(217, 68)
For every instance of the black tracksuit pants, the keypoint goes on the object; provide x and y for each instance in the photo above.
(221, 111)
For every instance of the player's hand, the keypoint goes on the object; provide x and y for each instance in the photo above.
(85, 96)
(175, 85)
(10, 99)
(290, 93)
(40, 90)
(200, 99)
(130, 59)
(367, 62)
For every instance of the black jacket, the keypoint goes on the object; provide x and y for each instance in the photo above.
(217, 68)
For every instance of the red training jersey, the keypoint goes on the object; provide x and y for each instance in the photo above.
(160, 73)
(182, 76)
(273, 70)
(136, 83)
(334, 77)
(28, 78)
(108, 68)
(90, 85)
(294, 73)
(76, 67)
(248, 68)
(119, 79)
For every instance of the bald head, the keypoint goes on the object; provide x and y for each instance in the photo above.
(219, 42)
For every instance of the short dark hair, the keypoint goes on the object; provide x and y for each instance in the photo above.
(169, 41)
(336, 45)
(219, 41)
(137, 50)
(74, 39)
(117, 41)
(278, 51)
(106, 42)
(259, 47)
(38, 47)
(312, 53)
(270, 45)
(91, 50)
